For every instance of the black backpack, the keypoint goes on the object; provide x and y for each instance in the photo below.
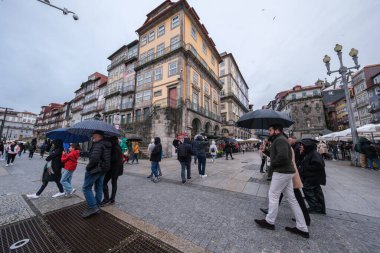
(182, 151)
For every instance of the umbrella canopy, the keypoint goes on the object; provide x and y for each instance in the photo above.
(262, 119)
(239, 140)
(134, 138)
(65, 136)
(88, 127)
(369, 128)
(253, 140)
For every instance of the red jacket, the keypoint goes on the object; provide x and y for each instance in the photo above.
(70, 160)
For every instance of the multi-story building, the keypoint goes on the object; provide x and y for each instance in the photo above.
(365, 89)
(234, 97)
(341, 114)
(329, 97)
(304, 105)
(94, 89)
(120, 90)
(374, 99)
(17, 125)
(49, 118)
(177, 86)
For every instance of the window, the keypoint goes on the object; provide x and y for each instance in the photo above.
(148, 77)
(147, 95)
(293, 96)
(207, 106)
(151, 36)
(160, 49)
(143, 40)
(207, 88)
(194, 33)
(140, 80)
(129, 118)
(204, 46)
(158, 93)
(222, 72)
(150, 54)
(304, 94)
(173, 66)
(195, 100)
(146, 112)
(222, 64)
(212, 60)
(138, 115)
(195, 78)
(158, 74)
(143, 56)
(315, 92)
(161, 30)
(174, 43)
(175, 22)
(223, 106)
(138, 96)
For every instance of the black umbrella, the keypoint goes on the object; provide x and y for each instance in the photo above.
(88, 127)
(65, 136)
(134, 138)
(262, 119)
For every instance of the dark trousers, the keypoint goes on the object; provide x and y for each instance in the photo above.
(229, 153)
(314, 198)
(31, 153)
(135, 157)
(185, 165)
(301, 202)
(11, 158)
(263, 161)
(44, 184)
(201, 165)
(113, 179)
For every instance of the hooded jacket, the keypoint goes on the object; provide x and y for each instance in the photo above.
(188, 148)
(312, 168)
(117, 168)
(213, 146)
(155, 156)
(100, 157)
(123, 145)
(280, 156)
(70, 160)
(200, 146)
(55, 157)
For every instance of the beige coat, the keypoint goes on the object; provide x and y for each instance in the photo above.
(322, 148)
(297, 183)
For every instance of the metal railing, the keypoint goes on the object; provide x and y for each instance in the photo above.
(93, 97)
(77, 108)
(191, 49)
(127, 105)
(203, 111)
(128, 88)
(120, 60)
(110, 108)
(160, 53)
(112, 91)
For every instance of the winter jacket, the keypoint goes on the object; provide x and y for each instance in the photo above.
(189, 151)
(156, 154)
(100, 157)
(117, 168)
(370, 152)
(150, 148)
(123, 145)
(213, 146)
(312, 168)
(55, 158)
(70, 160)
(228, 147)
(136, 149)
(13, 149)
(200, 146)
(280, 156)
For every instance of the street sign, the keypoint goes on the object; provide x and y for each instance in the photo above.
(116, 120)
(117, 127)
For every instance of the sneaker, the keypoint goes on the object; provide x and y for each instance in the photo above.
(264, 224)
(90, 211)
(11, 164)
(184, 182)
(156, 180)
(32, 196)
(204, 175)
(297, 232)
(59, 194)
(112, 201)
(7, 165)
(200, 175)
(72, 191)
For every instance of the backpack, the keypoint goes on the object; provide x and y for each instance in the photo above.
(212, 150)
(182, 151)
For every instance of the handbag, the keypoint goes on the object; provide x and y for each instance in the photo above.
(48, 174)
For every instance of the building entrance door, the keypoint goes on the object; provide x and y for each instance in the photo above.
(173, 97)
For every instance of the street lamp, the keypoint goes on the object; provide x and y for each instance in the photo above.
(344, 72)
(64, 10)
(3, 121)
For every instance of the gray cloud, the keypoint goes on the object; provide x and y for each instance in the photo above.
(45, 56)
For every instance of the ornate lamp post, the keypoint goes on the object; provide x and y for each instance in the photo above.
(64, 10)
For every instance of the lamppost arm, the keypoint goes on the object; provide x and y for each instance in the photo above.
(64, 10)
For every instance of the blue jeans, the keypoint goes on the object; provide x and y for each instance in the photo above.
(67, 175)
(90, 180)
(213, 157)
(201, 164)
(185, 165)
(154, 168)
(370, 162)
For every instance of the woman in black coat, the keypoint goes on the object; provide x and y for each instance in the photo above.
(53, 173)
(115, 171)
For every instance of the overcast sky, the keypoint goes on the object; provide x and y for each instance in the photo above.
(45, 56)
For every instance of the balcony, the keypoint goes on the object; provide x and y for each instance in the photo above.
(90, 98)
(128, 89)
(126, 106)
(194, 52)
(111, 108)
(112, 91)
(167, 103)
(78, 97)
(77, 108)
(204, 112)
(166, 51)
(374, 108)
(100, 107)
(89, 110)
(123, 59)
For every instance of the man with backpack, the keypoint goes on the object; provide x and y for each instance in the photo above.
(184, 154)
(200, 147)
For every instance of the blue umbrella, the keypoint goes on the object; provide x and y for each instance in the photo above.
(88, 127)
(65, 136)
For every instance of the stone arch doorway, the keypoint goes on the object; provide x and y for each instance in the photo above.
(208, 128)
(216, 130)
(196, 127)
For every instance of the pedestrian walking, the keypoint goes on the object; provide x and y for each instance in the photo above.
(113, 174)
(98, 165)
(52, 171)
(184, 154)
(12, 150)
(1, 150)
(313, 175)
(243, 147)
(200, 146)
(124, 149)
(22, 147)
(43, 148)
(193, 144)
(150, 149)
(32, 148)
(155, 158)
(136, 151)
(372, 156)
(263, 156)
(70, 161)
(213, 151)
(229, 148)
(282, 172)
(360, 147)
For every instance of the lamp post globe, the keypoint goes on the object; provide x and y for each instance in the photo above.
(338, 48)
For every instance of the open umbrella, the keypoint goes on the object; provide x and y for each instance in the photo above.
(65, 136)
(262, 119)
(134, 138)
(88, 127)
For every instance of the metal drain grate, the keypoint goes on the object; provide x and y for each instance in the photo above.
(146, 244)
(98, 233)
(40, 238)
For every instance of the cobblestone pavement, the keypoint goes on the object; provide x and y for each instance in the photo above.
(221, 220)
